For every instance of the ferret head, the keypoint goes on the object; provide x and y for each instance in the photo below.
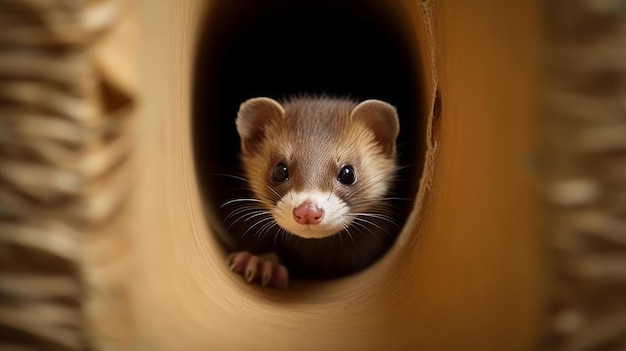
(316, 164)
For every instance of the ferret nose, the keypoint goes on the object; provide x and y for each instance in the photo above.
(308, 213)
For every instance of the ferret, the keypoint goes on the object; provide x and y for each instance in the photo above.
(319, 170)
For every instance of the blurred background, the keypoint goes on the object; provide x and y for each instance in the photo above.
(113, 113)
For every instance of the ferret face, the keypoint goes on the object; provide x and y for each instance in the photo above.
(317, 164)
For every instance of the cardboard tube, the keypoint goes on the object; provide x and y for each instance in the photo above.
(463, 275)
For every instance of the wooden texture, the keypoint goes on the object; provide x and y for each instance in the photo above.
(465, 272)
(113, 201)
(104, 242)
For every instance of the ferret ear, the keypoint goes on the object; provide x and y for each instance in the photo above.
(382, 119)
(253, 118)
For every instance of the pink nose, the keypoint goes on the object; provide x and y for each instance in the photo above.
(308, 213)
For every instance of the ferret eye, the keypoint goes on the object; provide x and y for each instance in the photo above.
(280, 173)
(346, 175)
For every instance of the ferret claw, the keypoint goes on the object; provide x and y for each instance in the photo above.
(259, 269)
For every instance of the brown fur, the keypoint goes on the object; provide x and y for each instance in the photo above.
(315, 137)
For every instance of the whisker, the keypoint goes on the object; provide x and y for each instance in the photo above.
(244, 218)
(276, 237)
(357, 219)
(245, 233)
(340, 238)
(262, 220)
(230, 176)
(381, 217)
(274, 192)
(368, 230)
(347, 231)
(253, 216)
(267, 228)
(241, 210)
(233, 201)
(380, 204)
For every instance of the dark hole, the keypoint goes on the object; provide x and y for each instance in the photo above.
(359, 49)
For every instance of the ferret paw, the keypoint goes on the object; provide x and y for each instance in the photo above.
(264, 269)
